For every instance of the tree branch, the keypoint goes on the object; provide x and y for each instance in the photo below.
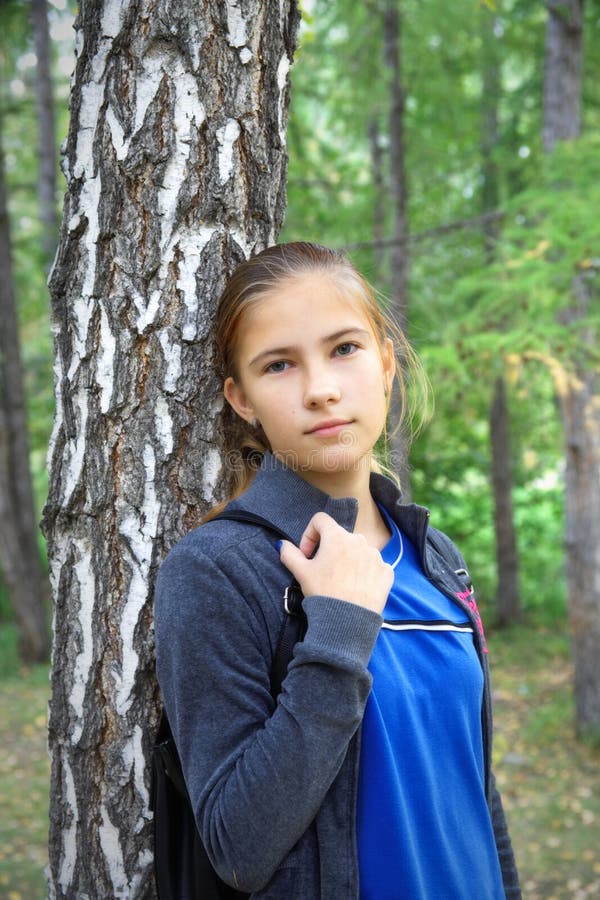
(415, 237)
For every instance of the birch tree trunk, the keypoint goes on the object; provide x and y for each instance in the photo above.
(175, 165)
(579, 392)
(19, 551)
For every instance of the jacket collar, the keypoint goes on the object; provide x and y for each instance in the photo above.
(280, 495)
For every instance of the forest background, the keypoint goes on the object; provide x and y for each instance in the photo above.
(492, 230)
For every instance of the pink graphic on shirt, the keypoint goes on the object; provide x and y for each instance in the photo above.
(468, 598)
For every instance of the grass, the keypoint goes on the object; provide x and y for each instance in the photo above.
(24, 776)
(550, 782)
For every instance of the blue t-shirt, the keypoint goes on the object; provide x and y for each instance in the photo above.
(424, 828)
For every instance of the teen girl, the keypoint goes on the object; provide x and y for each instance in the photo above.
(369, 777)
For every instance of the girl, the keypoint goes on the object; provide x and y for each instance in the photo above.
(369, 777)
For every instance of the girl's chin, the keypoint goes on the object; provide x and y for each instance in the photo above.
(335, 460)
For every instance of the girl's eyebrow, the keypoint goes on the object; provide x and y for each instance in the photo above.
(330, 338)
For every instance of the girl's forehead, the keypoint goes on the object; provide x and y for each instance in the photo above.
(308, 296)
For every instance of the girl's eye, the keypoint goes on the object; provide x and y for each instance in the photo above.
(280, 365)
(346, 349)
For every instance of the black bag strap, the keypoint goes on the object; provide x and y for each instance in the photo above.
(244, 515)
(292, 631)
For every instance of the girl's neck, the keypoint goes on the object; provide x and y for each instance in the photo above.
(355, 483)
(371, 523)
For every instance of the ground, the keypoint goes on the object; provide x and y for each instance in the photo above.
(549, 781)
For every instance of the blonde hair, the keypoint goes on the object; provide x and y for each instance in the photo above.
(245, 445)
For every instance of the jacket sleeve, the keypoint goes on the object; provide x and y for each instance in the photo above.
(257, 770)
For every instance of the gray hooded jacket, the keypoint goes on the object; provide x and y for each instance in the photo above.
(274, 783)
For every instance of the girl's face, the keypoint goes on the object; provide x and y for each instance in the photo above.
(313, 373)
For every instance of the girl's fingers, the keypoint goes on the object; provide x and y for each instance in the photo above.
(313, 533)
(344, 565)
(293, 559)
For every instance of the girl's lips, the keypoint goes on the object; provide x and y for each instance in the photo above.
(325, 429)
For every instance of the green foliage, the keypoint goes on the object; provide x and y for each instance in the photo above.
(329, 173)
(9, 655)
(470, 319)
(17, 107)
(5, 607)
(516, 308)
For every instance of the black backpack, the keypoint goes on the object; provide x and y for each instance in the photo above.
(182, 868)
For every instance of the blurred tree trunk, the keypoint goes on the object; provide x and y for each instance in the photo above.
(579, 394)
(562, 71)
(175, 166)
(19, 552)
(392, 37)
(508, 604)
(399, 259)
(378, 193)
(46, 129)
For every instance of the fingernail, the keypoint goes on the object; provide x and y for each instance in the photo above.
(279, 545)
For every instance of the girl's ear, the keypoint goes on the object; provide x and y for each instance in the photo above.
(237, 399)
(388, 361)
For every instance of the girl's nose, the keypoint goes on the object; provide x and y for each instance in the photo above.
(320, 388)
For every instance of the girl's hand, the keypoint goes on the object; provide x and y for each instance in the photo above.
(345, 565)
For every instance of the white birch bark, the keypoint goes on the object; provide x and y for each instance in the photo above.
(175, 166)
